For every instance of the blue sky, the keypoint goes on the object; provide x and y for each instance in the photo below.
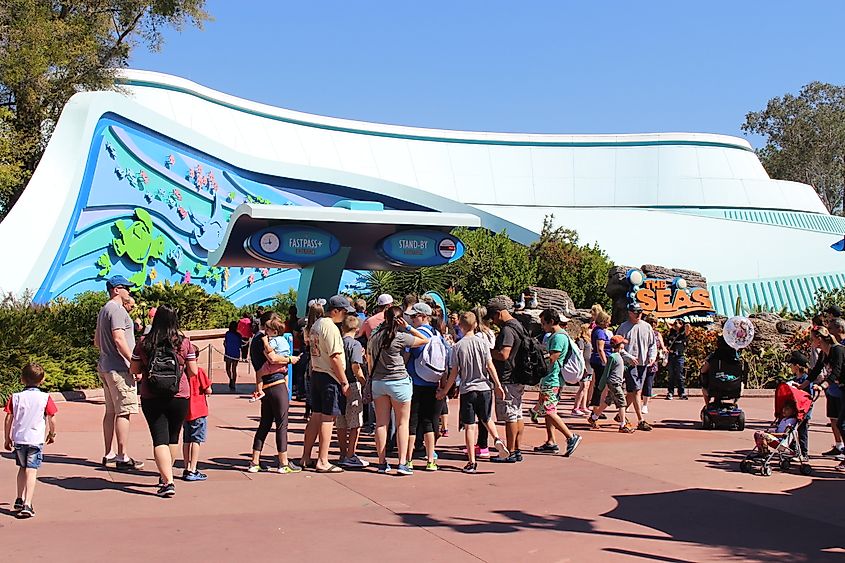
(538, 67)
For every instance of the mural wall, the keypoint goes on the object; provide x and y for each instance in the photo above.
(152, 209)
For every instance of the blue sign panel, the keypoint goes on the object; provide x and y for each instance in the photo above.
(292, 245)
(421, 248)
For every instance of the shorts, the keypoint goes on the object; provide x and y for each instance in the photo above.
(195, 431)
(548, 400)
(425, 410)
(509, 409)
(120, 392)
(834, 406)
(326, 394)
(165, 417)
(353, 416)
(615, 395)
(475, 407)
(29, 457)
(634, 378)
(399, 390)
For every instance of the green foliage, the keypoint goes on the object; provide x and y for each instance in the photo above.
(562, 263)
(59, 336)
(51, 50)
(284, 301)
(824, 299)
(197, 309)
(492, 265)
(805, 139)
(456, 302)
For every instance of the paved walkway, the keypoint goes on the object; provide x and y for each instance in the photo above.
(674, 495)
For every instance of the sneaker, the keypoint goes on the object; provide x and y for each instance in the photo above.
(669, 396)
(644, 426)
(109, 462)
(128, 464)
(547, 448)
(684, 397)
(166, 491)
(593, 422)
(431, 466)
(26, 512)
(483, 453)
(627, 429)
(444, 433)
(410, 464)
(644, 409)
(384, 468)
(571, 444)
(833, 451)
(470, 468)
(405, 469)
(518, 455)
(510, 459)
(194, 476)
(602, 416)
(355, 463)
(501, 448)
(254, 469)
(18, 504)
(289, 468)
(840, 457)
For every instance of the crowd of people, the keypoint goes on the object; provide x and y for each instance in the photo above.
(391, 374)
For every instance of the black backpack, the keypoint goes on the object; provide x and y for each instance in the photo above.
(530, 364)
(165, 370)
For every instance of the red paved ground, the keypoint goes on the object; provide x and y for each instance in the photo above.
(673, 495)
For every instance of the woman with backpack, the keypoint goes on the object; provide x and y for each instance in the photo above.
(558, 345)
(392, 388)
(162, 361)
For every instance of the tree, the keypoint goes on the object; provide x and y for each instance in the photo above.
(562, 263)
(805, 139)
(492, 265)
(51, 49)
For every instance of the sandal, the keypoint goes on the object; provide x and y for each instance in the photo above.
(330, 469)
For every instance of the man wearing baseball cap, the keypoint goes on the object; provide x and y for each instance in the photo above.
(504, 353)
(383, 302)
(643, 347)
(328, 382)
(114, 337)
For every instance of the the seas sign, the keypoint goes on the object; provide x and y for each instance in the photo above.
(418, 248)
(671, 299)
(292, 245)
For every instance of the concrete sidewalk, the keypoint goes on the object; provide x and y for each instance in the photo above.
(674, 494)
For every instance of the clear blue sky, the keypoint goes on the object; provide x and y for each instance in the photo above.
(539, 67)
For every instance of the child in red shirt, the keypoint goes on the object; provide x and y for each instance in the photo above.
(196, 425)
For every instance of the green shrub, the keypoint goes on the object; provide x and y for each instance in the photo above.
(563, 263)
(197, 309)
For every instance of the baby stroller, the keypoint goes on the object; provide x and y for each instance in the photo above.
(724, 387)
(788, 448)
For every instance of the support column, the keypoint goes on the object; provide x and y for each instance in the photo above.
(320, 280)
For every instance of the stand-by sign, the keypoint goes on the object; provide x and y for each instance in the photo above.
(292, 245)
(421, 248)
(670, 299)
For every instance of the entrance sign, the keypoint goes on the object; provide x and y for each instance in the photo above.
(292, 244)
(670, 299)
(421, 248)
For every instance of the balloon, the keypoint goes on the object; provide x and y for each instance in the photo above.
(738, 332)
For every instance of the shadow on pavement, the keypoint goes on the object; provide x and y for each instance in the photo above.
(98, 484)
(751, 526)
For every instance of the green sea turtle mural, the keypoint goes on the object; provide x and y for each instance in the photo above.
(137, 243)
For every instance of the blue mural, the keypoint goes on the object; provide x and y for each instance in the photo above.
(152, 209)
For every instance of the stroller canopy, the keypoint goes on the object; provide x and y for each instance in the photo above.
(785, 393)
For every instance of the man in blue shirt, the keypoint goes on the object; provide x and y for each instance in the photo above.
(425, 408)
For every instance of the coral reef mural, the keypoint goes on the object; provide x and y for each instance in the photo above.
(152, 209)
